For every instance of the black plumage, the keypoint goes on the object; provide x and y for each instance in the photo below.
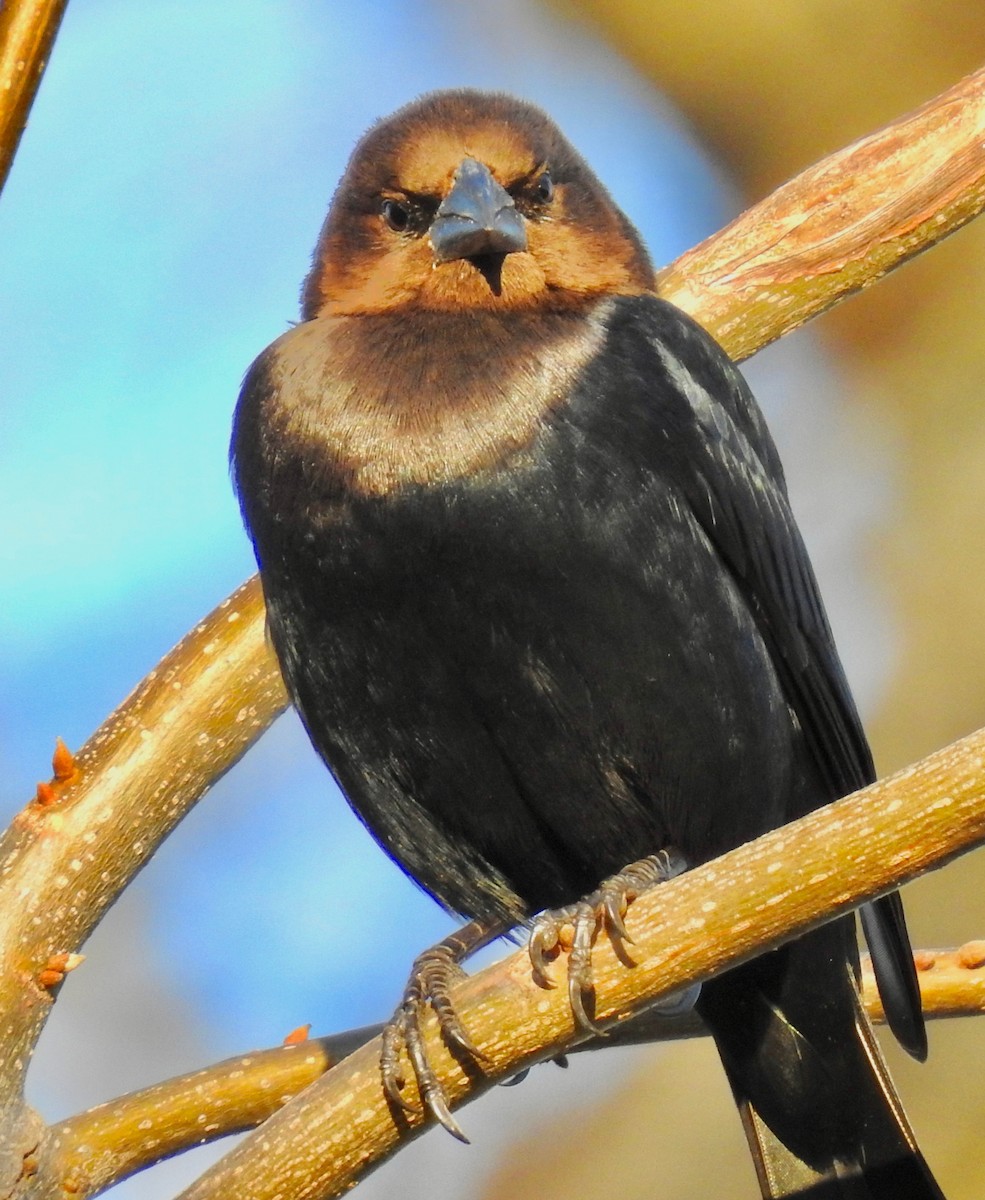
(538, 595)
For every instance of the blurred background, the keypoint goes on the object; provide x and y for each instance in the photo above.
(154, 233)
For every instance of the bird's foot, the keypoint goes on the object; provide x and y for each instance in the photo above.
(433, 975)
(604, 908)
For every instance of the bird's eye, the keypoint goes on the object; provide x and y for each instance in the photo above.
(544, 187)
(396, 215)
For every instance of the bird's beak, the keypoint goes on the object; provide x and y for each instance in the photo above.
(476, 217)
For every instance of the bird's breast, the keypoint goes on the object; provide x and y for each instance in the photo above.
(376, 404)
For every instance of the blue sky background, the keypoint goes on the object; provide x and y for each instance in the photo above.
(154, 232)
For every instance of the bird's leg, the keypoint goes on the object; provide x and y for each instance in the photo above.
(603, 908)
(432, 977)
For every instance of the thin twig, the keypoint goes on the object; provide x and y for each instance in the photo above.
(98, 1148)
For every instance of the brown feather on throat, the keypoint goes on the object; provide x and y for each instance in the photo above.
(380, 404)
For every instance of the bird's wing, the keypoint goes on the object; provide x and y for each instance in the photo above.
(727, 468)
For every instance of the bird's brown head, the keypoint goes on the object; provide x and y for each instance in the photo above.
(469, 199)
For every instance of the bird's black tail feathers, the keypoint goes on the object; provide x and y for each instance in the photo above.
(821, 1116)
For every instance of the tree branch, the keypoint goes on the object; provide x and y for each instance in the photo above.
(838, 226)
(110, 1143)
(73, 849)
(27, 33)
(113, 1141)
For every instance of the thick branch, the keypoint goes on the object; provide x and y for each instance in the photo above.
(109, 1143)
(838, 226)
(702, 923)
(27, 33)
(71, 851)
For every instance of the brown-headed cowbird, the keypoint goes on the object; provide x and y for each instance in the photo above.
(538, 595)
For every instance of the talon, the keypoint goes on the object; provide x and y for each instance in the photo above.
(519, 1077)
(393, 1076)
(581, 983)
(393, 1085)
(438, 1108)
(576, 998)
(679, 1003)
(465, 1044)
(543, 941)
(432, 1093)
(392, 1089)
(432, 976)
(606, 907)
(451, 1026)
(454, 1031)
(615, 910)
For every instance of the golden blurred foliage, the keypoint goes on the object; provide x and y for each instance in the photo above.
(771, 88)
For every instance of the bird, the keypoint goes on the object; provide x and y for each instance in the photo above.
(537, 593)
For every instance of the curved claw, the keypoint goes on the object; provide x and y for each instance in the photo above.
(432, 977)
(451, 1026)
(576, 998)
(605, 907)
(393, 1077)
(429, 1086)
(393, 1093)
(519, 1077)
(437, 1106)
(581, 983)
(543, 940)
(679, 1003)
(466, 1045)
(615, 903)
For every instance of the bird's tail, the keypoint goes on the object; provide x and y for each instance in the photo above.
(822, 1118)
